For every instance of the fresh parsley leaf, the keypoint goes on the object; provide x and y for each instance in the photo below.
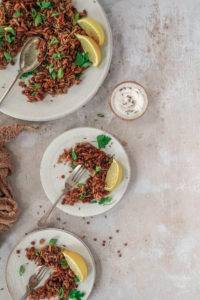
(45, 4)
(74, 155)
(53, 242)
(58, 55)
(77, 279)
(1, 31)
(54, 41)
(60, 73)
(36, 86)
(76, 295)
(97, 169)
(9, 29)
(22, 270)
(10, 38)
(55, 14)
(17, 14)
(8, 57)
(75, 18)
(63, 263)
(105, 200)
(61, 293)
(82, 60)
(26, 75)
(1, 41)
(73, 165)
(103, 140)
(39, 19)
(33, 13)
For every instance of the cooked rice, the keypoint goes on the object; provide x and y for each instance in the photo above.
(90, 157)
(57, 24)
(61, 277)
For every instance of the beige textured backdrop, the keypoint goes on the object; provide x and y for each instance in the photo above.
(157, 43)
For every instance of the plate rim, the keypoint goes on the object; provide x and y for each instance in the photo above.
(49, 229)
(88, 99)
(129, 169)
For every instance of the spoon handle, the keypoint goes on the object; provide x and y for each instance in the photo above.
(10, 87)
(42, 223)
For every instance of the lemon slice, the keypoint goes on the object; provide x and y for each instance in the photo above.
(114, 176)
(92, 48)
(76, 263)
(93, 29)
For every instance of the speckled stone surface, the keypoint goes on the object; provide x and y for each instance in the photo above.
(156, 42)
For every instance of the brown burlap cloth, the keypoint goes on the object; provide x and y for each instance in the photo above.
(8, 206)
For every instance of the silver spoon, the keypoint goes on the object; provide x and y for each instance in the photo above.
(28, 61)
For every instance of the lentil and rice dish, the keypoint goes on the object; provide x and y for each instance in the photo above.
(62, 282)
(55, 21)
(97, 162)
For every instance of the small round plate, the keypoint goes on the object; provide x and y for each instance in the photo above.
(51, 172)
(17, 284)
(52, 108)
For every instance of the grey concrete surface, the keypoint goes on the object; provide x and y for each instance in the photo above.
(157, 43)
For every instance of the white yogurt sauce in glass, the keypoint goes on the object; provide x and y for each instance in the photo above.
(129, 100)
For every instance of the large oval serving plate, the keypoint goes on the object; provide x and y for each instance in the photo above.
(52, 108)
(17, 284)
(51, 172)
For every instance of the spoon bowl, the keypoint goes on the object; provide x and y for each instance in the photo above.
(28, 60)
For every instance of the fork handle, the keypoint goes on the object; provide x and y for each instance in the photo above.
(10, 87)
(43, 221)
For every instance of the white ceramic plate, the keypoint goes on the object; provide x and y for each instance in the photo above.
(16, 284)
(51, 171)
(16, 104)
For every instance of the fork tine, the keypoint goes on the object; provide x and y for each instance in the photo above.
(41, 276)
(77, 173)
(40, 271)
(80, 175)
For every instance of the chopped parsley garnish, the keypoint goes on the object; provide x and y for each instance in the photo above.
(45, 4)
(97, 169)
(75, 18)
(55, 14)
(54, 41)
(53, 242)
(63, 263)
(60, 73)
(105, 200)
(52, 71)
(74, 155)
(82, 196)
(82, 60)
(36, 86)
(100, 115)
(58, 56)
(17, 14)
(38, 17)
(77, 279)
(39, 20)
(10, 30)
(76, 295)
(1, 31)
(73, 165)
(8, 57)
(26, 75)
(22, 270)
(37, 253)
(103, 140)
(61, 293)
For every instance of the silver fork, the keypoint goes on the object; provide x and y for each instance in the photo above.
(34, 280)
(70, 182)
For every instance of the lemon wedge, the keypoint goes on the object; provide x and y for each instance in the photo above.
(114, 176)
(93, 29)
(76, 263)
(91, 47)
